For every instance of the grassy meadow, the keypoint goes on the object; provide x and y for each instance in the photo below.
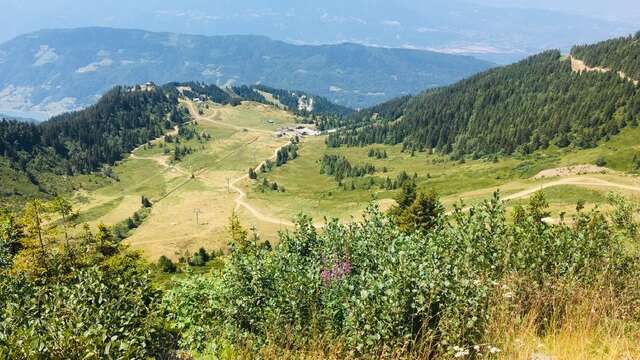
(196, 183)
(470, 181)
(242, 137)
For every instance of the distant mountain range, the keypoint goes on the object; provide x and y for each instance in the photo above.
(17, 118)
(505, 32)
(54, 71)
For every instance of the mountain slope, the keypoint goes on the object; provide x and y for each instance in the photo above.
(49, 71)
(38, 159)
(522, 107)
(621, 54)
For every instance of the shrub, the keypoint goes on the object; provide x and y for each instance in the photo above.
(197, 260)
(376, 288)
(166, 265)
(204, 254)
(102, 311)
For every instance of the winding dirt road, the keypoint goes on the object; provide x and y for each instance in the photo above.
(577, 181)
(240, 200)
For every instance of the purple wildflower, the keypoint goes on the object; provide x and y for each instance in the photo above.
(346, 267)
(326, 277)
(338, 270)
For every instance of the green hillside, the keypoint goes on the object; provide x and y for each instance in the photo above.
(298, 102)
(517, 108)
(621, 54)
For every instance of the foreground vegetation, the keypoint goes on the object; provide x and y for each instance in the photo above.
(412, 283)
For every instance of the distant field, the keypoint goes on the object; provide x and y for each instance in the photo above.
(242, 137)
(471, 181)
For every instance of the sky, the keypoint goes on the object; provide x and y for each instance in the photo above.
(22, 16)
(619, 10)
(441, 25)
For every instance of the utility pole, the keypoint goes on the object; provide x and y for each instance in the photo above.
(197, 212)
(228, 186)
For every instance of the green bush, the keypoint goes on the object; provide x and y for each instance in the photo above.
(166, 265)
(97, 312)
(375, 287)
(601, 161)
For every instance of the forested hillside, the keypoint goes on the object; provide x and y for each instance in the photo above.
(294, 99)
(84, 141)
(621, 54)
(298, 102)
(522, 107)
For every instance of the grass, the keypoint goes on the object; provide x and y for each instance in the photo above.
(587, 325)
(618, 151)
(171, 226)
(254, 115)
(321, 195)
(564, 198)
(472, 180)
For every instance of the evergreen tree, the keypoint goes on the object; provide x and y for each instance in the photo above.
(422, 214)
(166, 265)
(146, 203)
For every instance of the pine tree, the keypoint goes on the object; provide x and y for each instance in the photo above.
(146, 203)
(64, 208)
(422, 214)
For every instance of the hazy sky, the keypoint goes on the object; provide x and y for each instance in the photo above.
(207, 16)
(622, 10)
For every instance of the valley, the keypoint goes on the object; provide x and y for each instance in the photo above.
(195, 197)
(494, 218)
(202, 182)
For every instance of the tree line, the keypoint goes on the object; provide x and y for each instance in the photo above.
(620, 54)
(340, 168)
(83, 141)
(526, 106)
(286, 153)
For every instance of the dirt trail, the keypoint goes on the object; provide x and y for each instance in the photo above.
(579, 66)
(579, 181)
(575, 181)
(240, 200)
